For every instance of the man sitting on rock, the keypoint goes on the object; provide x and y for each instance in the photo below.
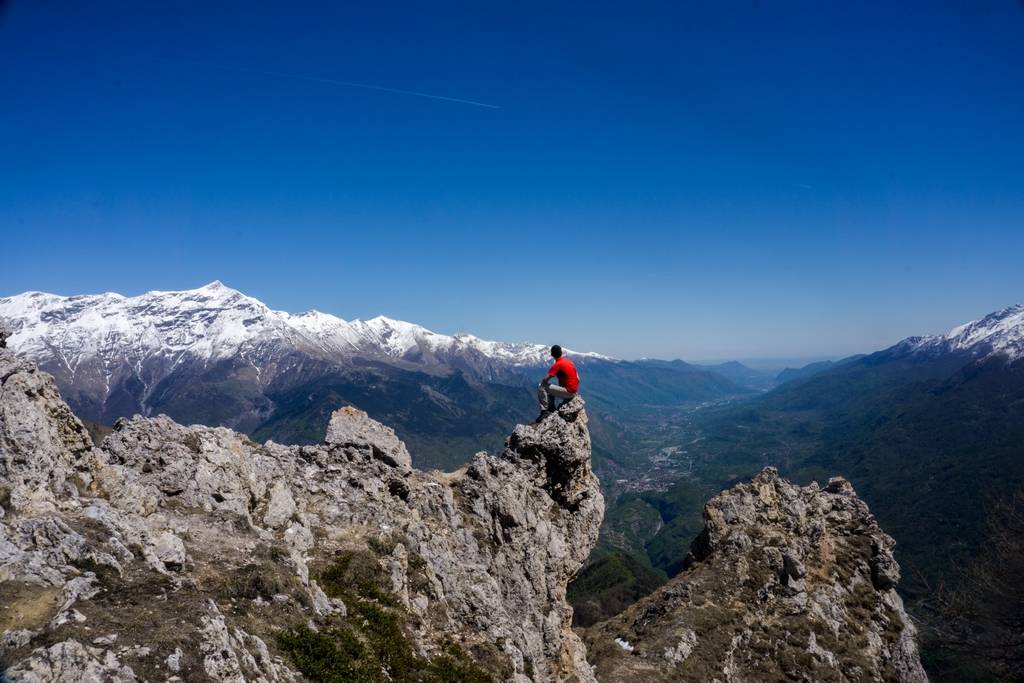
(568, 383)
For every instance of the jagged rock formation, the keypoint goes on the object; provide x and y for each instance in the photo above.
(193, 553)
(784, 583)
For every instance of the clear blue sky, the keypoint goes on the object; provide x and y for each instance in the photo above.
(652, 179)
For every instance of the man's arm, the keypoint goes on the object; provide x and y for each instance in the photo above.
(552, 373)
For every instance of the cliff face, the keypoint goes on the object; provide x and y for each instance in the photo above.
(784, 583)
(194, 552)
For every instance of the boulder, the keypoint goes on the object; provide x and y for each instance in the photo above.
(353, 428)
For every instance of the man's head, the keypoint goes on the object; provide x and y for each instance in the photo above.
(556, 351)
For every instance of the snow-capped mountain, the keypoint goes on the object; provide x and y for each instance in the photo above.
(997, 334)
(213, 355)
(216, 322)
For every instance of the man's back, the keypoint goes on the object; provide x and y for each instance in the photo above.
(565, 369)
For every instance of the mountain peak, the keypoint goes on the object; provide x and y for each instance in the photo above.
(214, 287)
(111, 336)
(215, 290)
(999, 333)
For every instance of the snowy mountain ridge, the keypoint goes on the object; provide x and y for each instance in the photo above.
(1000, 333)
(216, 322)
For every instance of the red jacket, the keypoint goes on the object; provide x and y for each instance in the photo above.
(566, 373)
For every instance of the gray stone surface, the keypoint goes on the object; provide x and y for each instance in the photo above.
(352, 428)
(784, 583)
(281, 507)
(70, 662)
(133, 537)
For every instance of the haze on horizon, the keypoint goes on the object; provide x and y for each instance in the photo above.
(753, 180)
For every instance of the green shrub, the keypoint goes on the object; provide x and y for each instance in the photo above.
(333, 656)
(355, 574)
(371, 645)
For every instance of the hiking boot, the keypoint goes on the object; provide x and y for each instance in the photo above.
(543, 414)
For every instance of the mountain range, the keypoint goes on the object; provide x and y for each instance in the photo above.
(931, 428)
(215, 356)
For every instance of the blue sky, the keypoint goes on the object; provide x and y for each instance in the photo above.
(756, 179)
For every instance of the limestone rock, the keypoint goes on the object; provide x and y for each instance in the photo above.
(173, 660)
(281, 507)
(70, 662)
(353, 428)
(784, 583)
(885, 572)
(170, 550)
(196, 547)
(232, 655)
(42, 444)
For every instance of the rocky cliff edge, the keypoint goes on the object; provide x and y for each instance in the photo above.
(192, 553)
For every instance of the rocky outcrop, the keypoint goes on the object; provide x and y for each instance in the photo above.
(352, 428)
(784, 583)
(192, 553)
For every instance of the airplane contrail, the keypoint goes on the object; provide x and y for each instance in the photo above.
(349, 84)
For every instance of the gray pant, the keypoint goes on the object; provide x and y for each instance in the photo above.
(547, 393)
